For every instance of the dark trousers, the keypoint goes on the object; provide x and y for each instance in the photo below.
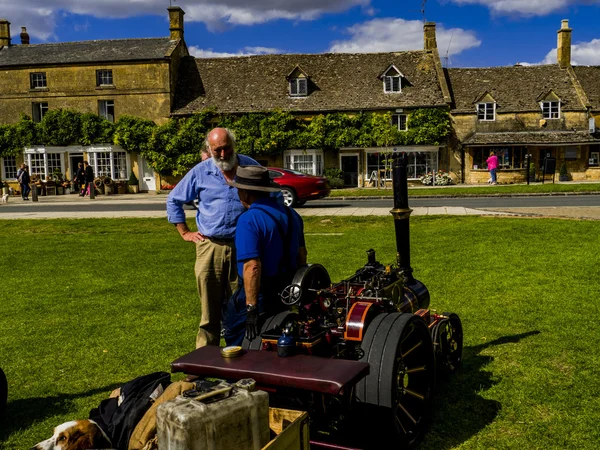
(25, 190)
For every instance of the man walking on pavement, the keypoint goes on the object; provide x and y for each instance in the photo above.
(218, 210)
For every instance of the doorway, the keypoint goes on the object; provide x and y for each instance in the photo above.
(147, 180)
(349, 164)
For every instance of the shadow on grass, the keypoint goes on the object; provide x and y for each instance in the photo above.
(21, 414)
(460, 411)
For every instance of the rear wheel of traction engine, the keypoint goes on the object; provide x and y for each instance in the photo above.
(289, 196)
(398, 391)
(447, 336)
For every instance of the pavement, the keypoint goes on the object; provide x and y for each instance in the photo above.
(41, 212)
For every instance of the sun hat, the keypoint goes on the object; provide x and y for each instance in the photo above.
(254, 178)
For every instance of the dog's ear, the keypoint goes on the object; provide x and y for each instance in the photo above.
(89, 436)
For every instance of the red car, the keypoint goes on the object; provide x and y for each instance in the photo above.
(298, 187)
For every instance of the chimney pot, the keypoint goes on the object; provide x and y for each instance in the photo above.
(176, 22)
(4, 33)
(24, 36)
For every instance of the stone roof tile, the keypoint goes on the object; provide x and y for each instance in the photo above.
(531, 138)
(589, 78)
(337, 82)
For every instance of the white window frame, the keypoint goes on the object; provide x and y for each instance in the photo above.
(301, 160)
(484, 108)
(392, 84)
(39, 110)
(103, 109)
(41, 154)
(299, 87)
(38, 80)
(400, 121)
(101, 158)
(103, 76)
(547, 111)
(9, 161)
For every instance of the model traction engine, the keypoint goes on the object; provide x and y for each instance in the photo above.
(378, 316)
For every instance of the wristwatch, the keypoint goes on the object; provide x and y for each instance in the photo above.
(250, 307)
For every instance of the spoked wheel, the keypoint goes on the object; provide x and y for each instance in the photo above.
(447, 336)
(3, 392)
(399, 388)
(270, 323)
(289, 196)
(310, 279)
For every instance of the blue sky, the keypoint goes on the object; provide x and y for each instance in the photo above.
(470, 33)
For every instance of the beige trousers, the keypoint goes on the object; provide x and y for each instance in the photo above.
(216, 278)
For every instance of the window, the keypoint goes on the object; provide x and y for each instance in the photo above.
(399, 120)
(486, 111)
(37, 80)
(309, 161)
(391, 84)
(594, 159)
(550, 110)
(10, 167)
(44, 164)
(508, 157)
(111, 163)
(104, 78)
(39, 110)
(298, 87)
(106, 109)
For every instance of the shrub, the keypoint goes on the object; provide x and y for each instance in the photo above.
(333, 172)
(133, 181)
(336, 183)
(563, 170)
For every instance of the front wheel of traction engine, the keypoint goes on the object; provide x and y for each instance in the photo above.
(398, 391)
(447, 336)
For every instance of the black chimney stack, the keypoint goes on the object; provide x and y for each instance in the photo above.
(413, 289)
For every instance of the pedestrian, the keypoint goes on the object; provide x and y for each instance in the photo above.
(79, 179)
(218, 210)
(269, 242)
(89, 179)
(24, 179)
(492, 163)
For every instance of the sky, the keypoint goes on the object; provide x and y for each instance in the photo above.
(470, 33)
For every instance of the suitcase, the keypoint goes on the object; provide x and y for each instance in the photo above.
(226, 418)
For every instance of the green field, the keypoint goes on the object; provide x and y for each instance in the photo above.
(90, 304)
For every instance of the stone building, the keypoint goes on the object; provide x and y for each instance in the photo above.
(110, 78)
(306, 85)
(525, 113)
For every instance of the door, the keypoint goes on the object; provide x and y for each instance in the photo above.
(349, 165)
(74, 160)
(147, 180)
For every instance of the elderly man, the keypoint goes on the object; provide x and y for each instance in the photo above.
(218, 210)
(270, 247)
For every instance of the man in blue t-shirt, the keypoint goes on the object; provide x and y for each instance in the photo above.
(270, 247)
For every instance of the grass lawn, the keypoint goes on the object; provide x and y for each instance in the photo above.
(90, 304)
(466, 190)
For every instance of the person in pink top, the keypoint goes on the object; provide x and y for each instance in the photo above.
(492, 163)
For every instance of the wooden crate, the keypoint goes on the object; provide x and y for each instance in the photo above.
(291, 428)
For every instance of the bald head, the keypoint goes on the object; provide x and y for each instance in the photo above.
(220, 143)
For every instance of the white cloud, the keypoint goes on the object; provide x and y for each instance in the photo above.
(525, 7)
(41, 19)
(385, 35)
(248, 51)
(583, 54)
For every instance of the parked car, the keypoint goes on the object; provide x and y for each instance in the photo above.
(298, 187)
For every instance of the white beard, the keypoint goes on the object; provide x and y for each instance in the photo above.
(226, 164)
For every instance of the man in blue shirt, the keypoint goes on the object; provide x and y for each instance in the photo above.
(270, 247)
(218, 210)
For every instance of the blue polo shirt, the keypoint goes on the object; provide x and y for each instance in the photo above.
(258, 236)
(218, 203)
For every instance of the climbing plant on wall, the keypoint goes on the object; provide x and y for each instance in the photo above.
(174, 147)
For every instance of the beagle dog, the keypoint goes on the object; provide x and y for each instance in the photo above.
(76, 435)
(5, 198)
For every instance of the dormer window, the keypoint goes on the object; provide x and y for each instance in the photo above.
(298, 87)
(486, 111)
(550, 109)
(392, 80)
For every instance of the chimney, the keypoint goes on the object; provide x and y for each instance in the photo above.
(4, 33)
(563, 51)
(176, 22)
(24, 36)
(429, 41)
